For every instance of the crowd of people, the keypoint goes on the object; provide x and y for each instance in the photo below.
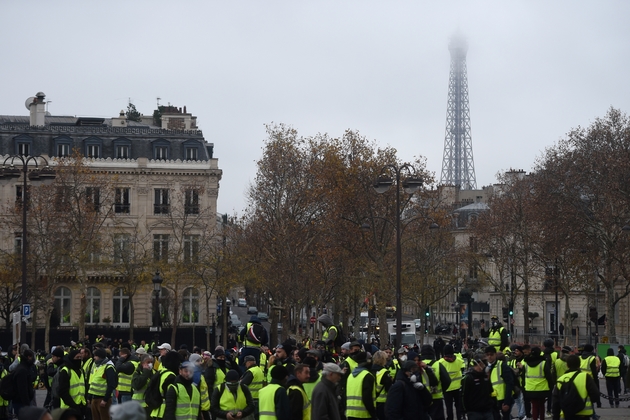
(308, 380)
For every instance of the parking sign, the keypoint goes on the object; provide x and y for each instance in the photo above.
(26, 310)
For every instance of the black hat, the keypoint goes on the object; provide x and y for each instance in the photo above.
(448, 350)
(58, 351)
(231, 376)
(100, 353)
(427, 352)
(279, 372)
(360, 357)
(566, 349)
(408, 365)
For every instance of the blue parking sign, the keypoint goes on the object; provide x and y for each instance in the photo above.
(26, 309)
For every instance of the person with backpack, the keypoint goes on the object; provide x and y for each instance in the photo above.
(69, 385)
(231, 400)
(53, 365)
(160, 381)
(583, 395)
(182, 400)
(253, 337)
(610, 370)
(125, 366)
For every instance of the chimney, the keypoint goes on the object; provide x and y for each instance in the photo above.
(38, 110)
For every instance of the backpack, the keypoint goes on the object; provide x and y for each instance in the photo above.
(153, 395)
(54, 386)
(7, 387)
(340, 339)
(255, 333)
(571, 402)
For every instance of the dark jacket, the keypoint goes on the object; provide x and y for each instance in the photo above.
(171, 396)
(533, 361)
(404, 402)
(24, 376)
(477, 392)
(591, 388)
(296, 399)
(508, 378)
(324, 401)
(141, 378)
(366, 390)
(64, 382)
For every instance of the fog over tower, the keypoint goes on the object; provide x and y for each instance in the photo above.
(458, 167)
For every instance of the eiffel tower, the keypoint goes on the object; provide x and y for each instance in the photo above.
(458, 167)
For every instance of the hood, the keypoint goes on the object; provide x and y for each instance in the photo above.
(534, 361)
(357, 370)
(325, 320)
(255, 319)
(293, 381)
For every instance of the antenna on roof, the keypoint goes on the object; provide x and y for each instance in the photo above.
(47, 102)
(158, 101)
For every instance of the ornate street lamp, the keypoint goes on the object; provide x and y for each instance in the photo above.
(157, 288)
(44, 176)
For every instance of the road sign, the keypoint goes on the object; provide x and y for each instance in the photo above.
(26, 310)
(313, 319)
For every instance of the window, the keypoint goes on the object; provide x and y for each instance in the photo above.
(122, 152)
(93, 310)
(20, 196)
(121, 247)
(93, 198)
(120, 307)
(160, 247)
(63, 150)
(62, 198)
(191, 153)
(473, 243)
(63, 298)
(191, 205)
(161, 205)
(24, 149)
(161, 152)
(472, 272)
(121, 201)
(93, 151)
(94, 257)
(190, 309)
(191, 248)
(17, 243)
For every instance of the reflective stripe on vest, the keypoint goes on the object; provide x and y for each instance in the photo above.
(454, 370)
(77, 387)
(580, 384)
(306, 407)
(497, 380)
(354, 396)
(247, 342)
(204, 395)
(164, 374)
(219, 377)
(229, 402)
(494, 338)
(267, 402)
(124, 380)
(585, 364)
(438, 389)
(258, 380)
(310, 386)
(381, 394)
(612, 366)
(187, 406)
(3, 402)
(535, 378)
(98, 381)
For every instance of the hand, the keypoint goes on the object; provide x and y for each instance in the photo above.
(505, 408)
(239, 414)
(418, 385)
(230, 416)
(103, 403)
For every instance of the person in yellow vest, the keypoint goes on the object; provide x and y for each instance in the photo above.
(281, 358)
(515, 363)
(168, 370)
(299, 401)
(560, 365)
(360, 390)
(584, 383)
(217, 368)
(200, 382)
(330, 333)
(392, 363)
(589, 362)
(610, 370)
(497, 335)
(53, 365)
(273, 400)
(182, 400)
(315, 376)
(502, 380)
(72, 383)
(231, 400)
(408, 398)
(253, 377)
(538, 381)
(253, 337)
(103, 381)
(427, 355)
(452, 395)
(383, 381)
(125, 366)
(140, 380)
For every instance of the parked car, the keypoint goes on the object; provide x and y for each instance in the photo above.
(242, 303)
(252, 310)
(236, 322)
(418, 323)
(263, 316)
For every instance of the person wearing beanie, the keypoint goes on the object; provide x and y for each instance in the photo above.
(52, 367)
(182, 400)
(610, 370)
(515, 363)
(444, 381)
(281, 358)
(408, 398)
(231, 400)
(216, 371)
(589, 362)
(125, 366)
(585, 385)
(477, 400)
(72, 383)
(253, 337)
(168, 370)
(455, 368)
(502, 380)
(273, 400)
(24, 377)
(103, 381)
(538, 381)
(254, 378)
(360, 390)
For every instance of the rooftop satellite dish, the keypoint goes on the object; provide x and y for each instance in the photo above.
(28, 102)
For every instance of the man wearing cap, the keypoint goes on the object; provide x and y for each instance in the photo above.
(72, 383)
(455, 368)
(281, 358)
(502, 381)
(182, 400)
(360, 390)
(274, 403)
(231, 400)
(497, 335)
(477, 400)
(324, 403)
(408, 398)
(103, 381)
(253, 377)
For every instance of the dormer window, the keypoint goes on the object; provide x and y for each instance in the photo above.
(191, 153)
(24, 145)
(93, 147)
(122, 148)
(192, 150)
(161, 149)
(62, 146)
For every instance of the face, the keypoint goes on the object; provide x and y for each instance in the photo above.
(296, 357)
(389, 353)
(334, 377)
(163, 352)
(302, 375)
(55, 359)
(281, 353)
(527, 352)
(479, 366)
(518, 353)
(355, 349)
(492, 357)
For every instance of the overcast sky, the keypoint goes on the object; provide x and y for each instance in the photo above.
(535, 70)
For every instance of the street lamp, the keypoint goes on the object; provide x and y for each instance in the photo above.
(409, 185)
(45, 176)
(157, 288)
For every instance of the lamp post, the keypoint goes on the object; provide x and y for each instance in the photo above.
(46, 176)
(157, 288)
(410, 185)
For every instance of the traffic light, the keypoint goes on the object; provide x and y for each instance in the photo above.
(511, 309)
(505, 314)
(427, 313)
(592, 314)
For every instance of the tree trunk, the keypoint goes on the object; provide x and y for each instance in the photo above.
(131, 315)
